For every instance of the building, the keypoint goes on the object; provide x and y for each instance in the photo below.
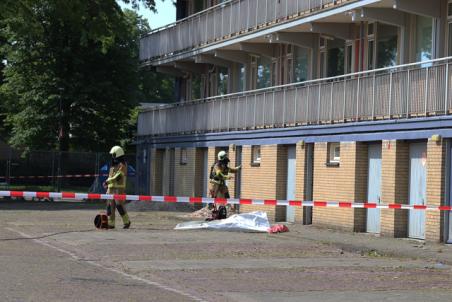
(343, 100)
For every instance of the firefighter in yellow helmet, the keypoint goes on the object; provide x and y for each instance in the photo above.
(219, 173)
(116, 184)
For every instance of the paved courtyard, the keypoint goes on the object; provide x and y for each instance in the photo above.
(51, 252)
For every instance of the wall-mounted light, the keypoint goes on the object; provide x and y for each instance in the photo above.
(301, 144)
(436, 138)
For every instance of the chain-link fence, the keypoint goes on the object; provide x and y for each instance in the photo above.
(59, 171)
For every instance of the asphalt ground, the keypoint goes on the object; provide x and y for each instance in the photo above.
(51, 252)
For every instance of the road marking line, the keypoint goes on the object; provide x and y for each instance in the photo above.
(91, 262)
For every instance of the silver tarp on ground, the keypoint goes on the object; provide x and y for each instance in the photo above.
(246, 222)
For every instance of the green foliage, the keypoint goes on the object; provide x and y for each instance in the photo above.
(71, 79)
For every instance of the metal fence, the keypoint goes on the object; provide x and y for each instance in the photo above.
(59, 171)
(418, 89)
(223, 21)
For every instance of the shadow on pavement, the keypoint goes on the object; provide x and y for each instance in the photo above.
(18, 205)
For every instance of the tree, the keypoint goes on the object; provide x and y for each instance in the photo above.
(72, 76)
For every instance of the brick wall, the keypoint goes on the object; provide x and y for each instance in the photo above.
(157, 156)
(200, 172)
(302, 178)
(346, 182)
(394, 187)
(185, 173)
(436, 169)
(266, 181)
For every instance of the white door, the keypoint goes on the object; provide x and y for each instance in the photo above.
(291, 180)
(418, 186)
(374, 187)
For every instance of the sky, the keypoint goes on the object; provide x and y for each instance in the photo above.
(166, 13)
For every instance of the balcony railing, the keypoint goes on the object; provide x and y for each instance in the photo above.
(411, 90)
(224, 21)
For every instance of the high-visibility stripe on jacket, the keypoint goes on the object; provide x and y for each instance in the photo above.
(117, 177)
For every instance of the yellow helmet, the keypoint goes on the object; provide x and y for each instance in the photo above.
(116, 152)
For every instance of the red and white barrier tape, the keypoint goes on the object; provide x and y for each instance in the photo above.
(54, 176)
(175, 199)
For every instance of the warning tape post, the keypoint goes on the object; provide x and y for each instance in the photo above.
(205, 200)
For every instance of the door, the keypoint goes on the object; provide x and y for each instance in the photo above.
(308, 185)
(238, 175)
(374, 187)
(417, 196)
(291, 180)
(172, 168)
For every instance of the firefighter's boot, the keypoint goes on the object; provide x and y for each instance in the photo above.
(124, 215)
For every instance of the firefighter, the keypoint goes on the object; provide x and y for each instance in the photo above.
(116, 184)
(219, 173)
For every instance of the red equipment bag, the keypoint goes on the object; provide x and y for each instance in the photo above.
(101, 221)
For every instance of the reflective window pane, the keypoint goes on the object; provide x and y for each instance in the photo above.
(424, 29)
(301, 64)
(263, 72)
(223, 80)
(370, 55)
(386, 45)
(336, 57)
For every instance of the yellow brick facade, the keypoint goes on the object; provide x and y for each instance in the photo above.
(394, 187)
(436, 189)
(266, 181)
(157, 171)
(185, 179)
(346, 182)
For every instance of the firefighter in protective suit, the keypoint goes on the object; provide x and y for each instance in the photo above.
(116, 184)
(219, 173)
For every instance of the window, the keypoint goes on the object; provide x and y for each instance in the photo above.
(424, 38)
(449, 26)
(195, 86)
(255, 155)
(323, 57)
(335, 60)
(387, 36)
(263, 72)
(334, 153)
(253, 73)
(370, 46)
(242, 77)
(349, 57)
(183, 156)
(223, 76)
(301, 64)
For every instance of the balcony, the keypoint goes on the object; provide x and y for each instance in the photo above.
(399, 92)
(226, 21)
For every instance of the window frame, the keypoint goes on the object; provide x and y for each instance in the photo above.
(332, 159)
(183, 160)
(448, 31)
(256, 160)
(371, 38)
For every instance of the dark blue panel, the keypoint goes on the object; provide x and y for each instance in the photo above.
(419, 128)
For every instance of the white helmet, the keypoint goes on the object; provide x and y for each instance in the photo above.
(222, 155)
(116, 152)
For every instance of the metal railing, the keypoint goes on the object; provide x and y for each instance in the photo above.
(404, 91)
(223, 21)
